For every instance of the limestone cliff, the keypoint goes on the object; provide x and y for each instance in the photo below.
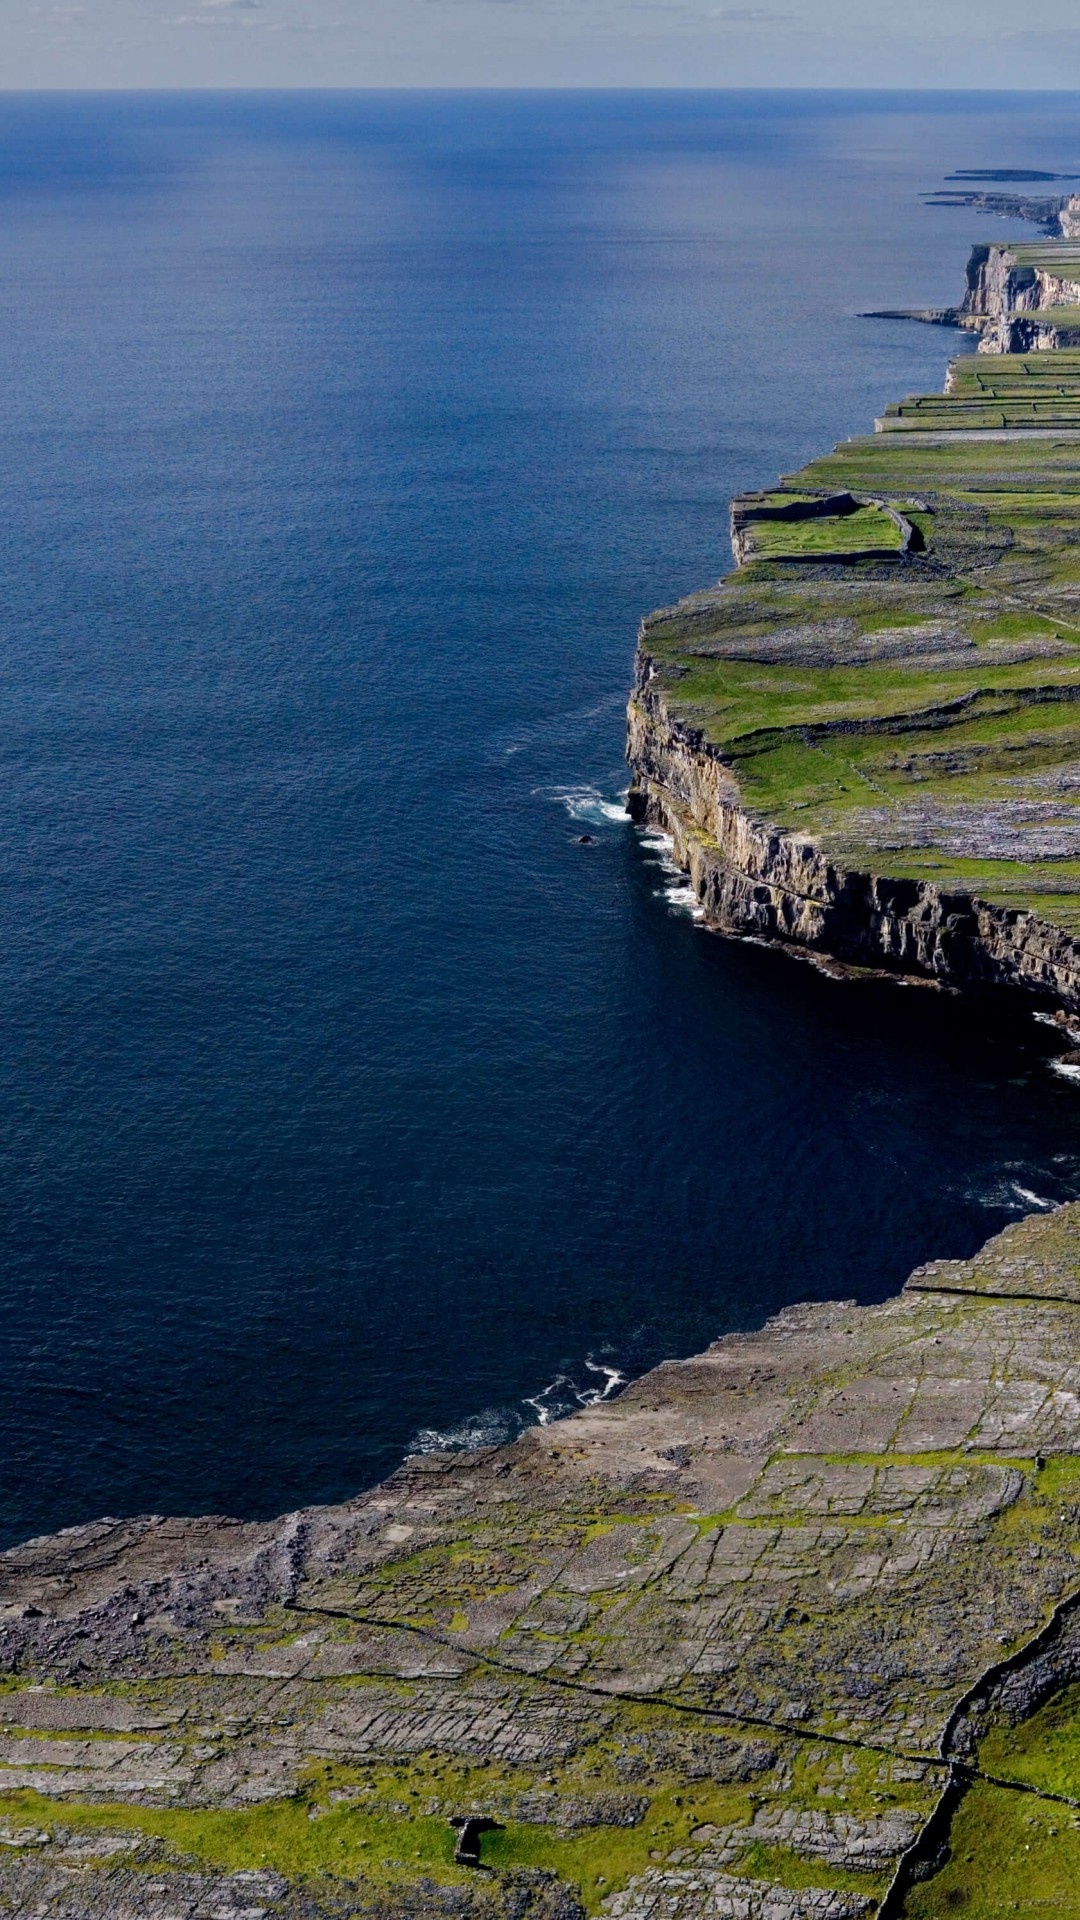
(1019, 299)
(753, 879)
(874, 756)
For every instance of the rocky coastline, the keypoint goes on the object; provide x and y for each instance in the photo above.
(753, 880)
(755, 1639)
(863, 743)
(789, 1630)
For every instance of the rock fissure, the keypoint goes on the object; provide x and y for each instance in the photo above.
(814, 1736)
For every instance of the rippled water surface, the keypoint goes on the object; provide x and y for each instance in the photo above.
(344, 1097)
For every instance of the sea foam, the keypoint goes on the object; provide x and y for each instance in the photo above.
(497, 1426)
(588, 805)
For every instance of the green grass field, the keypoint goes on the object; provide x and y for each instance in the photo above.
(866, 530)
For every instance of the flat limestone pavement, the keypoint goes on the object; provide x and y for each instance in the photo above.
(732, 1644)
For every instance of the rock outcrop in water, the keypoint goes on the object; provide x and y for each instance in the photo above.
(1019, 297)
(791, 1630)
(1053, 214)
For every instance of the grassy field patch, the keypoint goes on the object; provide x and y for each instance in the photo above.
(868, 529)
(1009, 1855)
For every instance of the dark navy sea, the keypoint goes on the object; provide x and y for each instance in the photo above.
(347, 1104)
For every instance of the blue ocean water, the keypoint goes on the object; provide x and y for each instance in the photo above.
(346, 1102)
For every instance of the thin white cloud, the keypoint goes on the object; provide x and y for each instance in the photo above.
(1045, 39)
(219, 13)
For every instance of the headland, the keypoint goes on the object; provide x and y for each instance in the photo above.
(866, 742)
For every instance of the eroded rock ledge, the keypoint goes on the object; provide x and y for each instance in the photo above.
(753, 879)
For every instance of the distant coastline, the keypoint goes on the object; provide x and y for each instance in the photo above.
(862, 744)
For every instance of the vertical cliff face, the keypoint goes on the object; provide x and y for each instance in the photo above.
(757, 881)
(874, 754)
(1003, 291)
(996, 286)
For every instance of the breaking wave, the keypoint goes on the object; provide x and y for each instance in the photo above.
(497, 1426)
(1011, 1196)
(1031, 1199)
(675, 889)
(588, 805)
(565, 1395)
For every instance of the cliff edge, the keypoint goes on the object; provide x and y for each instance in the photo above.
(866, 741)
(760, 1638)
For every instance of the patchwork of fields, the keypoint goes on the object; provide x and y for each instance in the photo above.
(916, 715)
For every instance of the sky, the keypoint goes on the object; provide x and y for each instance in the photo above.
(636, 43)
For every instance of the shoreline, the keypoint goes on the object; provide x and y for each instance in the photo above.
(754, 1637)
(695, 1505)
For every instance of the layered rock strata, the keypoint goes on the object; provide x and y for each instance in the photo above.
(1018, 297)
(1024, 298)
(875, 756)
(752, 879)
